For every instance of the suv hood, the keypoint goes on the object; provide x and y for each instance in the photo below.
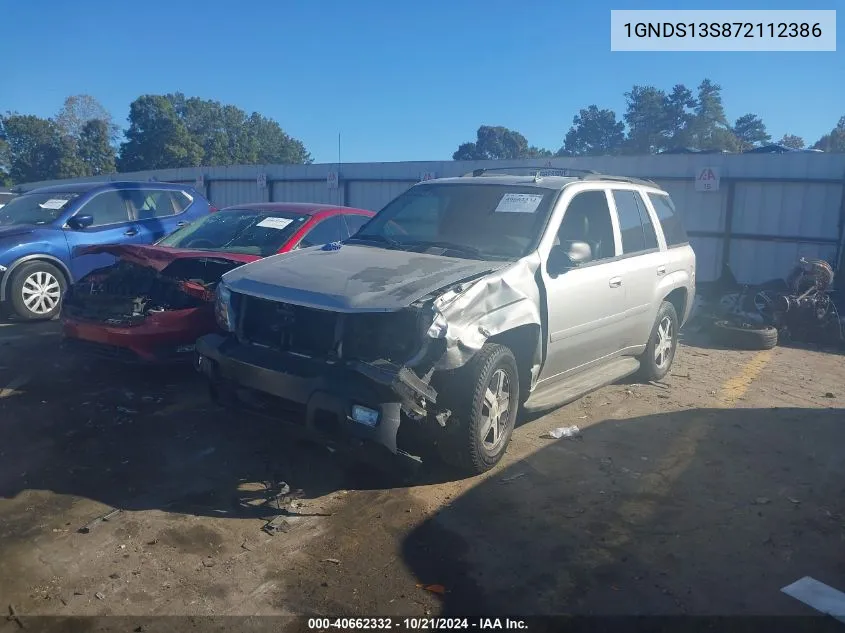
(353, 278)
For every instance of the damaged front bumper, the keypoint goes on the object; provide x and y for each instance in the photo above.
(317, 395)
(161, 337)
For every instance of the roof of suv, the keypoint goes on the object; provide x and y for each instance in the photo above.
(83, 187)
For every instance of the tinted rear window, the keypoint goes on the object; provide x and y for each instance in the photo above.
(670, 221)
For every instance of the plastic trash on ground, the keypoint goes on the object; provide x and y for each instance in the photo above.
(564, 431)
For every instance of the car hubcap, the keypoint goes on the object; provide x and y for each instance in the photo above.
(665, 339)
(41, 292)
(495, 411)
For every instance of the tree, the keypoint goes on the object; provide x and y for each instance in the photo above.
(710, 129)
(229, 136)
(646, 119)
(5, 178)
(539, 152)
(37, 150)
(594, 132)
(79, 110)
(494, 143)
(157, 138)
(272, 145)
(678, 116)
(95, 149)
(792, 141)
(834, 141)
(750, 132)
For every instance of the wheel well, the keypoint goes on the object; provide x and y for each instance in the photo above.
(678, 298)
(17, 265)
(522, 341)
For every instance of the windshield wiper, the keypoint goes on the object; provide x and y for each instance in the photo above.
(472, 251)
(377, 237)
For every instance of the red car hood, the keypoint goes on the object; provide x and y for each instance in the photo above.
(159, 257)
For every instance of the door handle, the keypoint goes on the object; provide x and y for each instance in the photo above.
(661, 270)
(130, 232)
(182, 223)
(615, 282)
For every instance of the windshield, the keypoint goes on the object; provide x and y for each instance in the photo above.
(238, 231)
(474, 220)
(35, 208)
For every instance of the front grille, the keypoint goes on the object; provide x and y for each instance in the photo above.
(286, 327)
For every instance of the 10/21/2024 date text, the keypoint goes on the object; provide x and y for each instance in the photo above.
(415, 624)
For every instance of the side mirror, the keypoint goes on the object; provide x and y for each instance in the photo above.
(79, 222)
(567, 256)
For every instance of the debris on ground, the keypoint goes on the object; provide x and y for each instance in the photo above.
(505, 480)
(331, 560)
(126, 410)
(281, 523)
(14, 384)
(793, 500)
(13, 616)
(829, 394)
(761, 501)
(564, 431)
(208, 563)
(99, 595)
(433, 588)
(85, 529)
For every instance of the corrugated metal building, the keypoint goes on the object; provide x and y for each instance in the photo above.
(767, 210)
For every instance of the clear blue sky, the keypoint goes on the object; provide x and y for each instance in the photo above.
(400, 80)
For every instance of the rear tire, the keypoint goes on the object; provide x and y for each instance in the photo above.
(483, 396)
(657, 359)
(745, 336)
(36, 291)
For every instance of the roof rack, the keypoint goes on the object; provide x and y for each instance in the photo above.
(630, 179)
(534, 169)
(585, 174)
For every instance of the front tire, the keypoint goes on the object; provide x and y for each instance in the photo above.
(662, 345)
(483, 396)
(36, 291)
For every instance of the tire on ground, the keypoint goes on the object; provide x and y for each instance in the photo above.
(29, 271)
(650, 369)
(745, 336)
(466, 395)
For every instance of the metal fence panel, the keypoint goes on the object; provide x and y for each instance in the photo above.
(225, 194)
(313, 191)
(700, 211)
(374, 195)
(787, 209)
(708, 257)
(755, 261)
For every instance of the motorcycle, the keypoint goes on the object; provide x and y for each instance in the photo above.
(796, 309)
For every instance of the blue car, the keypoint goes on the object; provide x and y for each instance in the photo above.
(43, 234)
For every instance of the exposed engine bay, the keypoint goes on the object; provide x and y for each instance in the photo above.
(125, 293)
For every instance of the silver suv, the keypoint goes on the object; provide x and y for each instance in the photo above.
(460, 301)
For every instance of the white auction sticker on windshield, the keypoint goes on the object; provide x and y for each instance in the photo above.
(53, 203)
(519, 203)
(274, 223)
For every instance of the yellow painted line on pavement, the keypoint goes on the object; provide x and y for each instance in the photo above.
(734, 388)
(658, 484)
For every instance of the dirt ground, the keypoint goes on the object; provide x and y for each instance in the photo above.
(702, 495)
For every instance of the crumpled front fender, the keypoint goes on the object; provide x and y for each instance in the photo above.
(467, 316)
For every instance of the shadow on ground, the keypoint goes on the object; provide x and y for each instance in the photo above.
(141, 438)
(712, 514)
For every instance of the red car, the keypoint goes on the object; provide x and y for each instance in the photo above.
(155, 301)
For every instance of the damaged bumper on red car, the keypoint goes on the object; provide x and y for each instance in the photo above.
(150, 306)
